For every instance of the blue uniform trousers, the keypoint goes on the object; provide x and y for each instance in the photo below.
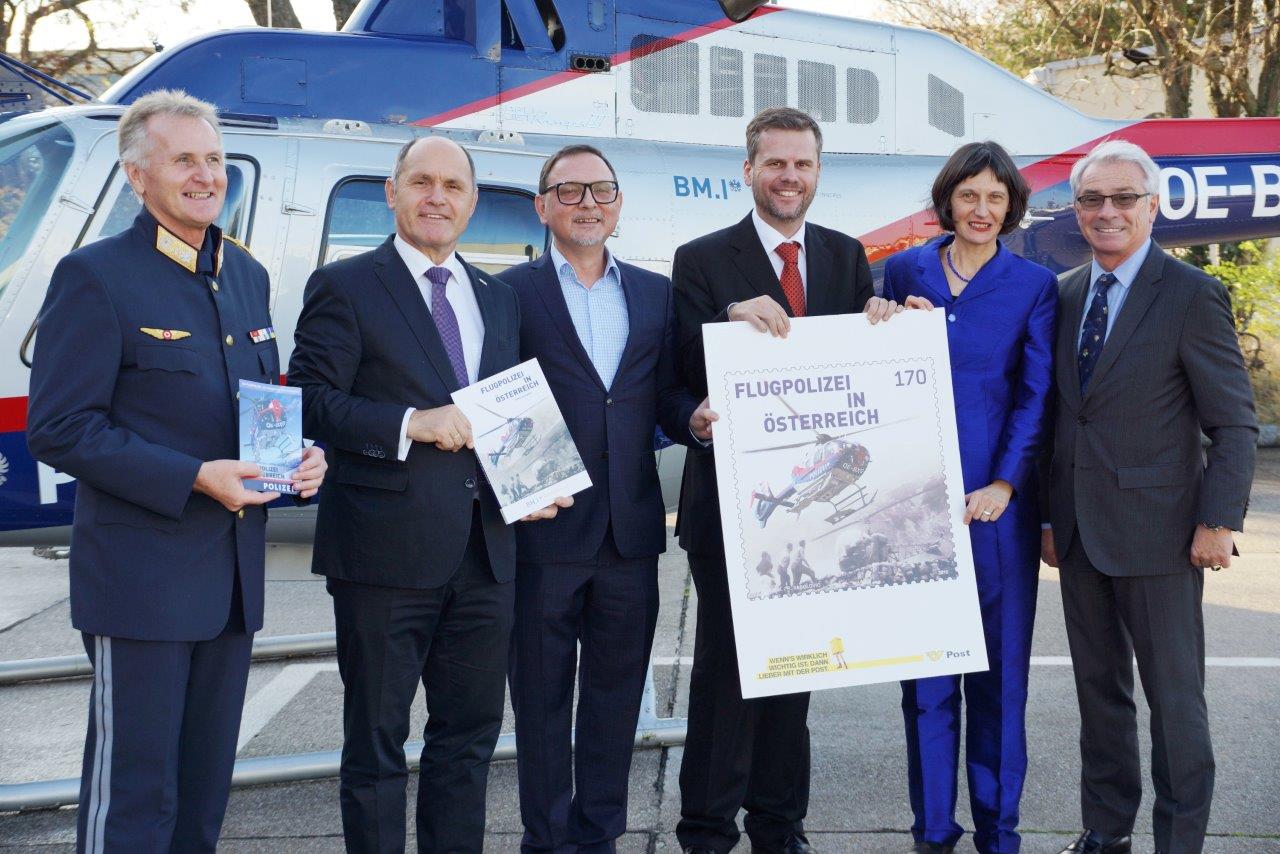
(610, 605)
(164, 717)
(995, 730)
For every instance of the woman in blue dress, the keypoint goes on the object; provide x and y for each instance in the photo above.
(1000, 310)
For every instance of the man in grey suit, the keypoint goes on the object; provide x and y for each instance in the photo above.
(1147, 358)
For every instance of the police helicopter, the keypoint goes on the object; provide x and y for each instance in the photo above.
(831, 468)
(311, 123)
(518, 435)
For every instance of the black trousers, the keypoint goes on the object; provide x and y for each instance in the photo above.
(454, 639)
(751, 754)
(610, 606)
(1157, 619)
(164, 717)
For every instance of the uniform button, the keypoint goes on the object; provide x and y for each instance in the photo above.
(951, 317)
(239, 514)
(608, 401)
(229, 340)
(469, 483)
(1082, 420)
(213, 286)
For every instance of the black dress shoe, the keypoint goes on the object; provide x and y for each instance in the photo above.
(699, 849)
(932, 848)
(797, 845)
(1090, 842)
(793, 844)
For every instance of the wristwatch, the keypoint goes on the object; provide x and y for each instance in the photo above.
(1214, 528)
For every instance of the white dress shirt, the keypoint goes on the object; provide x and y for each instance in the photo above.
(771, 239)
(462, 298)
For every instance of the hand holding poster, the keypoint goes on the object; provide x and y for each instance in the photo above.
(842, 503)
(523, 444)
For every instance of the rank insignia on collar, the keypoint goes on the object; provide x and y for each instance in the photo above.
(175, 249)
(165, 334)
(266, 333)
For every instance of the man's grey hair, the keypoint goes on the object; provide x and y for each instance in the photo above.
(1118, 151)
(135, 141)
(404, 152)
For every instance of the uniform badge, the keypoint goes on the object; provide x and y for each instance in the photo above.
(266, 333)
(165, 334)
(175, 249)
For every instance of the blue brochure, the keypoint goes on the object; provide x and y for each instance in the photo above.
(271, 434)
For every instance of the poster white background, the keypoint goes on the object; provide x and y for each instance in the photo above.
(842, 435)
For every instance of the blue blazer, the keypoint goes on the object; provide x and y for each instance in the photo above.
(1000, 334)
(132, 414)
(366, 349)
(613, 427)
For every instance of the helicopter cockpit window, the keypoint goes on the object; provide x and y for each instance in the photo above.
(234, 219)
(32, 162)
(504, 230)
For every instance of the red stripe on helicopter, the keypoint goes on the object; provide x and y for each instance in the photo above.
(1158, 137)
(565, 76)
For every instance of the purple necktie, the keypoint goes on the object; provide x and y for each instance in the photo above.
(447, 322)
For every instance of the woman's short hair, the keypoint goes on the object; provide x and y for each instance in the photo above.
(134, 140)
(972, 159)
(1118, 151)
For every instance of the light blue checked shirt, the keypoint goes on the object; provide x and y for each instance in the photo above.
(599, 313)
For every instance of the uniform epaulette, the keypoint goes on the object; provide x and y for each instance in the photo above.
(231, 239)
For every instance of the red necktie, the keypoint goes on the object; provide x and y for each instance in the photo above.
(792, 284)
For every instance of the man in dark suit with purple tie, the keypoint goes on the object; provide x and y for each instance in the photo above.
(409, 535)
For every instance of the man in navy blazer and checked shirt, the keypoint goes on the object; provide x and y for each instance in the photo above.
(144, 337)
(604, 332)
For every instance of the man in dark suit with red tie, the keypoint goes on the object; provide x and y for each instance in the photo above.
(771, 266)
(410, 537)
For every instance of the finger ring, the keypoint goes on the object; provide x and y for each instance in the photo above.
(986, 512)
(1215, 568)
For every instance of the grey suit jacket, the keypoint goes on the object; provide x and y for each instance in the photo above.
(1128, 470)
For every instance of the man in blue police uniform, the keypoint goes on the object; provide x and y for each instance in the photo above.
(144, 338)
(604, 333)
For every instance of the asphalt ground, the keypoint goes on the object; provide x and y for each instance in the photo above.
(858, 800)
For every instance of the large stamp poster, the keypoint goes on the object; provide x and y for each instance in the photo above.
(842, 503)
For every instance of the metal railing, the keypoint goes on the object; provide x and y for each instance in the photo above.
(651, 730)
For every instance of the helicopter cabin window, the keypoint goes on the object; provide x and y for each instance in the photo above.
(726, 81)
(817, 88)
(946, 107)
(32, 163)
(234, 219)
(863, 92)
(664, 76)
(504, 230)
(771, 81)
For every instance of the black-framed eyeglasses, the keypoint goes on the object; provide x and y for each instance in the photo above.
(1122, 201)
(572, 192)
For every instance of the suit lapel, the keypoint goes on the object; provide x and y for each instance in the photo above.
(1142, 293)
(753, 265)
(395, 277)
(819, 261)
(931, 274)
(636, 308)
(487, 301)
(1074, 289)
(546, 282)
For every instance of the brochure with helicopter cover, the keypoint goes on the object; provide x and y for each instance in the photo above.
(271, 434)
(842, 503)
(521, 439)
